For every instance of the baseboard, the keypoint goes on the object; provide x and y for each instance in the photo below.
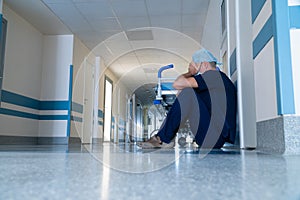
(97, 140)
(53, 140)
(74, 140)
(18, 140)
(23, 140)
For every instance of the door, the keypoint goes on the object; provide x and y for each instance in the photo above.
(88, 102)
(108, 89)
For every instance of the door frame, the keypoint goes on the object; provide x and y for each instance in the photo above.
(3, 32)
(106, 78)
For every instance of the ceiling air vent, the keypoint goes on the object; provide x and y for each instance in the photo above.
(139, 35)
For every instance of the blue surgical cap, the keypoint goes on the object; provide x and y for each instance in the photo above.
(203, 55)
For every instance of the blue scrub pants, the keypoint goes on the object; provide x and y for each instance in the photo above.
(189, 106)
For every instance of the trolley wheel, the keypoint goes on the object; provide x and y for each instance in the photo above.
(182, 141)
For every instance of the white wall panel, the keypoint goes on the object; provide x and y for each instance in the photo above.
(55, 128)
(23, 56)
(295, 49)
(265, 83)
(16, 126)
(57, 58)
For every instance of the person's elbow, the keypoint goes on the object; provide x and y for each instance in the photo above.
(176, 85)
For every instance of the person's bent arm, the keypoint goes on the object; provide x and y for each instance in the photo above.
(184, 81)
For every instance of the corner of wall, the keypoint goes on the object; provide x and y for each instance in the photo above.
(279, 135)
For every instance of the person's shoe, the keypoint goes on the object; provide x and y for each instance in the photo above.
(155, 142)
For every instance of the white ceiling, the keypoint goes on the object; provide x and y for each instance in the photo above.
(95, 20)
(134, 37)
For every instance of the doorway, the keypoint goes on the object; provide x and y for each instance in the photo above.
(108, 90)
(3, 29)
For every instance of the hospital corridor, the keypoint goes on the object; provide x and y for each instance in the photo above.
(150, 99)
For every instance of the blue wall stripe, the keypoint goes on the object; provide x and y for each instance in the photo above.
(76, 119)
(256, 6)
(294, 17)
(53, 117)
(233, 62)
(263, 37)
(283, 65)
(15, 113)
(100, 114)
(19, 100)
(76, 107)
(54, 105)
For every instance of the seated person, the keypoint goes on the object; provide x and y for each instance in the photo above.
(208, 99)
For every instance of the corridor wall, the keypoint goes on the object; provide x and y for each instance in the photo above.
(35, 97)
(275, 36)
(119, 97)
(22, 78)
(275, 39)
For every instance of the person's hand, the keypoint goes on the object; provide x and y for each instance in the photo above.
(193, 68)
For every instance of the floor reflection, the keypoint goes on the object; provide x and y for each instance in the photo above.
(123, 171)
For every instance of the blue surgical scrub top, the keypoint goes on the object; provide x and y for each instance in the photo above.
(220, 97)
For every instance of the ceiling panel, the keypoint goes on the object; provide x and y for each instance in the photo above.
(39, 15)
(84, 1)
(106, 24)
(129, 8)
(164, 8)
(77, 25)
(95, 10)
(88, 35)
(118, 69)
(170, 21)
(193, 21)
(64, 10)
(117, 51)
(156, 56)
(70, 16)
(106, 34)
(132, 80)
(194, 6)
(134, 22)
(58, 1)
(129, 62)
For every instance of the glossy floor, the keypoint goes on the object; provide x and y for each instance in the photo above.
(122, 171)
